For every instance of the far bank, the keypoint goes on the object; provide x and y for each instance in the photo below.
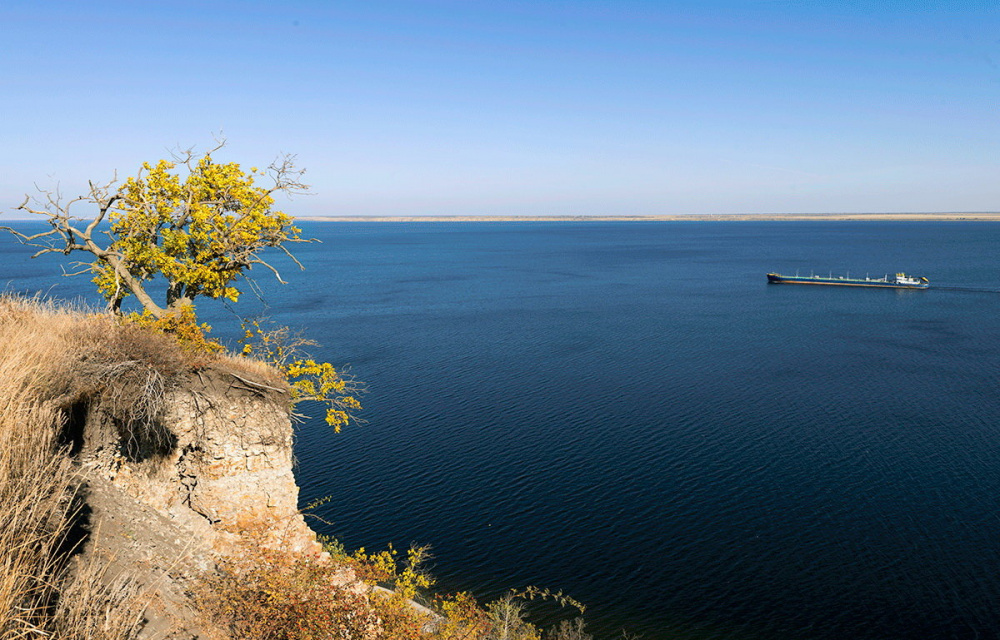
(976, 216)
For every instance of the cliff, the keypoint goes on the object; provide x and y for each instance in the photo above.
(182, 459)
(216, 478)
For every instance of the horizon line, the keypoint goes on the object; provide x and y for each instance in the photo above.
(911, 216)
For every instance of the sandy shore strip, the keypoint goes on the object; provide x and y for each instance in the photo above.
(979, 216)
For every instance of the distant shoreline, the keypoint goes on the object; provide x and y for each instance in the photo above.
(694, 217)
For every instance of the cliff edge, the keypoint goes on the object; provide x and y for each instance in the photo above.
(182, 459)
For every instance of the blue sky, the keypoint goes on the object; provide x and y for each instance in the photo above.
(521, 108)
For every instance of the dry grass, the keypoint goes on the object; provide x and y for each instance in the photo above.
(36, 498)
(62, 356)
(52, 350)
(39, 491)
(94, 606)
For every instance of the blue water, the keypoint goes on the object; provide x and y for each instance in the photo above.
(629, 413)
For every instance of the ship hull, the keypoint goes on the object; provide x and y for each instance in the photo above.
(774, 278)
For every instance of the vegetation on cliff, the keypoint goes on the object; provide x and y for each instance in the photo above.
(184, 229)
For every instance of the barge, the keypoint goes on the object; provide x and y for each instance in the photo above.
(898, 281)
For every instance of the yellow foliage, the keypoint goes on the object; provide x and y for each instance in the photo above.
(309, 379)
(199, 232)
(183, 325)
(407, 577)
(532, 592)
(463, 617)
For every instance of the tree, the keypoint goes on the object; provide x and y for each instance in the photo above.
(192, 234)
(192, 227)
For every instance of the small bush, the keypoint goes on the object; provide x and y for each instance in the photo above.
(569, 630)
(270, 595)
(462, 617)
(183, 326)
(309, 380)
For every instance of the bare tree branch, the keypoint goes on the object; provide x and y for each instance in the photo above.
(294, 259)
(273, 270)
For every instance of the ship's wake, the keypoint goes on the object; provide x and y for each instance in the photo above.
(966, 289)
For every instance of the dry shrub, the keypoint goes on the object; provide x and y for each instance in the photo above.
(61, 355)
(574, 629)
(266, 594)
(270, 595)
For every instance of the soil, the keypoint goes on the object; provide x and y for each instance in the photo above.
(138, 542)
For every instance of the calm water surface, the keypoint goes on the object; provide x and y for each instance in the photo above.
(628, 412)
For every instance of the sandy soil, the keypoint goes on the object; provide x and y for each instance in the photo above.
(132, 539)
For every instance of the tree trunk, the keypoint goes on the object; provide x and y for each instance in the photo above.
(178, 304)
(175, 295)
(134, 285)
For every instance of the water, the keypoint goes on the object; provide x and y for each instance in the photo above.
(628, 412)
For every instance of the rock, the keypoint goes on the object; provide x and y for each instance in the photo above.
(227, 472)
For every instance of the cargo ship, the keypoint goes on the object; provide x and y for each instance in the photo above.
(898, 281)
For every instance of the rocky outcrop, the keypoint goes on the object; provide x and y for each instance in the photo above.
(218, 463)
(213, 475)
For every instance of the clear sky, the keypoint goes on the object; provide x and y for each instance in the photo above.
(520, 108)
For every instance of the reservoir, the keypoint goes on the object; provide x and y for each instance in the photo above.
(629, 413)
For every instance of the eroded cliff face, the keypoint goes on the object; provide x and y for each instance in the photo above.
(185, 457)
(212, 477)
(204, 471)
(218, 463)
